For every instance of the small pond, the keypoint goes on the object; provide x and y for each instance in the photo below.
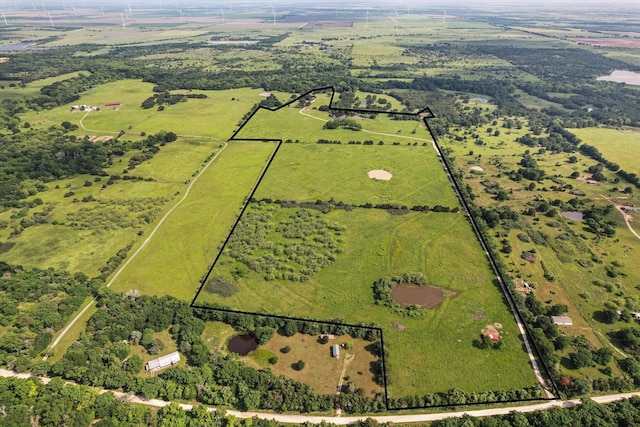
(622, 76)
(242, 344)
(425, 296)
(18, 46)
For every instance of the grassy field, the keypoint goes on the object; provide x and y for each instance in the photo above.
(82, 236)
(178, 256)
(310, 172)
(616, 145)
(216, 116)
(321, 371)
(583, 289)
(377, 244)
(33, 88)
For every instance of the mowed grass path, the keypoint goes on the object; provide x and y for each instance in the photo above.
(308, 172)
(179, 254)
(432, 354)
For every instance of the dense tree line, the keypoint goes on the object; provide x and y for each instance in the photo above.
(34, 304)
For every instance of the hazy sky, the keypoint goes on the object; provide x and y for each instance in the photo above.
(513, 5)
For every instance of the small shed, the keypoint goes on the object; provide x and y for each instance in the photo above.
(335, 351)
(113, 104)
(163, 361)
(562, 320)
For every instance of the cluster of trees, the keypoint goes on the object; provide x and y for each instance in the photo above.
(558, 140)
(31, 402)
(161, 99)
(619, 413)
(458, 397)
(346, 122)
(288, 326)
(329, 205)
(101, 358)
(34, 304)
(594, 153)
(221, 285)
(303, 243)
(544, 334)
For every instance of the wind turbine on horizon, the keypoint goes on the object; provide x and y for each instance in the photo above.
(397, 18)
(5, 18)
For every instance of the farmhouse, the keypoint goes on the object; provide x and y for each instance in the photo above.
(113, 104)
(562, 320)
(161, 362)
(335, 351)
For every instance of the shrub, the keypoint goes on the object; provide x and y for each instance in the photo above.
(286, 349)
(299, 365)
(273, 360)
(225, 287)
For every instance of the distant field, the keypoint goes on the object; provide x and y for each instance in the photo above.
(618, 146)
(215, 116)
(33, 88)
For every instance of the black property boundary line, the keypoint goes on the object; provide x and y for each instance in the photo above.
(425, 114)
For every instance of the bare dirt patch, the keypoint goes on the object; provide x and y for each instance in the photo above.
(573, 215)
(626, 43)
(479, 315)
(99, 138)
(379, 174)
(265, 94)
(477, 168)
(424, 296)
(323, 372)
(491, 330)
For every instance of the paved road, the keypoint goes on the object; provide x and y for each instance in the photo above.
(400, 418)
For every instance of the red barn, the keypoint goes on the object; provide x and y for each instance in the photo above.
(113, 104)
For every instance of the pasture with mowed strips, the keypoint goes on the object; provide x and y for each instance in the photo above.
(318, 232)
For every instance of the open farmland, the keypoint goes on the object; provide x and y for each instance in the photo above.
(347, 249)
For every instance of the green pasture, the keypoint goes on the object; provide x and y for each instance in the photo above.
(215, 116)
(310, 172)
(33, 88)
(180, 252)
(377, 244)
(574, 285)
(534, 102)
(621, 146)
(115, 35)
(103, 229)
(277, 125)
